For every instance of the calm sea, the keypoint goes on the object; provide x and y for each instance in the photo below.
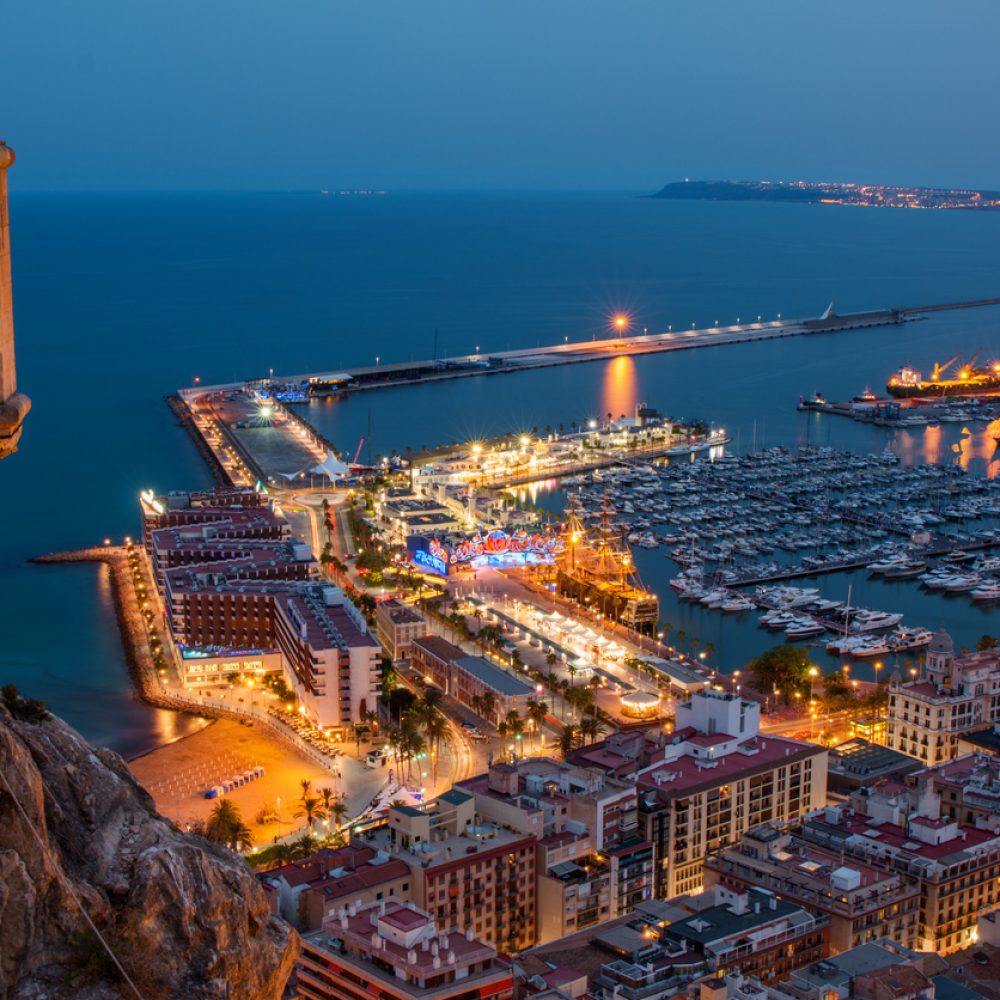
(119, 299)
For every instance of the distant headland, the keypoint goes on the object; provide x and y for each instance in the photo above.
(864, 195)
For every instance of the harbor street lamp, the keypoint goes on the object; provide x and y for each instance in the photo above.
(813, 674)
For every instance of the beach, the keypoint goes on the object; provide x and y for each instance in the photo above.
(178, 774)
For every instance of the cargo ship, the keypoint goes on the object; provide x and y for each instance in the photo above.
(966, 380)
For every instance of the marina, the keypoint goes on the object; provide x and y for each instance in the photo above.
(738, 527)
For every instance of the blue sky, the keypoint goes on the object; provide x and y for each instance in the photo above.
(303, 94)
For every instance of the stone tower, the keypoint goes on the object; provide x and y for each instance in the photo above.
(13, 406)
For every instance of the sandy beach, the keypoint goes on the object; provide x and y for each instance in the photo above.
(177, 775)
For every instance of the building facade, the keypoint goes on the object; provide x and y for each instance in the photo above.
(397, 625)
(903, 829)
(467, 872)
(715, 778)
(957, 693)
(863, 902)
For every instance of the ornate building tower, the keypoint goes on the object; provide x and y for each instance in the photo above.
(13, 406)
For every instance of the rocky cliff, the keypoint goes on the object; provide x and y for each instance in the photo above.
(185, 918)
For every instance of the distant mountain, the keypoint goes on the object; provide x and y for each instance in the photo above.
(806, 192)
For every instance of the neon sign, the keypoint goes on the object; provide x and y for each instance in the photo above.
(498, 543)
(432, 563)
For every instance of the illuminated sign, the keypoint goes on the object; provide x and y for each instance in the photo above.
(498, 543)
(428, 561)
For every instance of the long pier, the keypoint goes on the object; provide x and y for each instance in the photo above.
(392, 375)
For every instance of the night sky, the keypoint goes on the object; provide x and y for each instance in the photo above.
(535, 94)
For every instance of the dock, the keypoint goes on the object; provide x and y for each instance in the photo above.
(395, 374)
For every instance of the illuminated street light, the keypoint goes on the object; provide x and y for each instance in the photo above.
(621, 322)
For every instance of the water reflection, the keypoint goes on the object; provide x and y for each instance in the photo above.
(619, 390)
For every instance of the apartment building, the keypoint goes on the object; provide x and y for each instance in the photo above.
(592, 864)
(715, 777)
(863, 902)
(956, 693)
(310, 891)
(468, 872)
(903, 829)
(397, 625)
(398, 952)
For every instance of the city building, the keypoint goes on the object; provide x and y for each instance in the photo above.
(330, 658)
(862, 902)
(968, 789)
(397, 625)
(980, 741)
(397, 952)
(466, 871)
(956, 693)
(592, 864)
(879, 970)
(905, 829)
(237, 504)
(709, 781)
(857, 763)
(474, 681)
(310, 891)
(754, 932)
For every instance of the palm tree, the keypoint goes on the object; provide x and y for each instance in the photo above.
(306, 786)
(550, 660)
(435, 729)
(312, 809)
(537, 711)
(489, 700)
(338, 812)
(591, 727)
(326, 797)
(225, 826)
(567, 742)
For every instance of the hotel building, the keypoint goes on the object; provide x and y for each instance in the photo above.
(229, 585)
(926, 717)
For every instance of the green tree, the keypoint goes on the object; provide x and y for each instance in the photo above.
(784, 667)
(987, 642)
(568, 741)
(225, 826)
(537, 711)
(310, 810)
(591, 727)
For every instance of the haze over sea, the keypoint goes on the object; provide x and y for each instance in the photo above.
(120, 299)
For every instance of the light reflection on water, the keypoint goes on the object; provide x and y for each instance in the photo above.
(619, 391)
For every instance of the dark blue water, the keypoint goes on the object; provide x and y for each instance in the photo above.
(120, 299)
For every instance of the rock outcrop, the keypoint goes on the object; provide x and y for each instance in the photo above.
(184, 917)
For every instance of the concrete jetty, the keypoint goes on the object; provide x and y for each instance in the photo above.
(389, 375)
